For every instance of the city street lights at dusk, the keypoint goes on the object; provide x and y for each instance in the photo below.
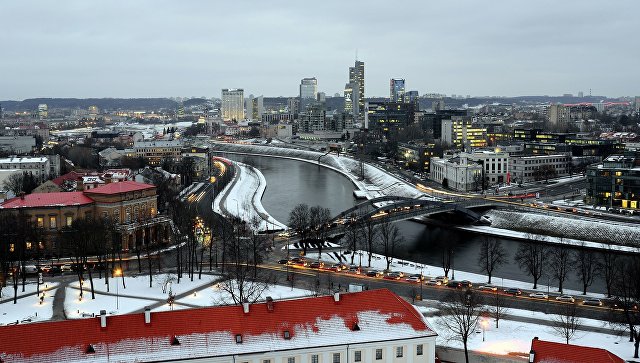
(117, 272)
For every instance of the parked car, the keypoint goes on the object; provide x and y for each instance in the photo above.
(592, 302)
(538, 295)
(488, 287)
(513, 291)
(413, 279)
(566, 298)
(434, 282)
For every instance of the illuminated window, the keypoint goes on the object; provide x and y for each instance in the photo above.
(40, 222)
(69, 221)
(52, 222)
(28, 245)
(12, 247)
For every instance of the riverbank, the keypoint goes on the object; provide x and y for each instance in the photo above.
(242, 198)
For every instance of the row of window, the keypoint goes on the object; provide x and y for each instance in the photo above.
(357, 355)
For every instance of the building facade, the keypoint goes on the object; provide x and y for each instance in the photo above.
(385, 118)
(156, 151)
(367, 326)
(308, 92)
(495, 164)
(416, 157)
(356, 79)
(396, 90)
(456, 173)
(615, 182)
(38, 166)
(232, 104)
(527, 168)
(460, 133)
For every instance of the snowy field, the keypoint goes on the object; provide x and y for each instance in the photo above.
(27, 309)
(215, 296)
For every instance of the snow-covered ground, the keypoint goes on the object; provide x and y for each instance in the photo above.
(27, 309)
(213, 295)
(242, 198)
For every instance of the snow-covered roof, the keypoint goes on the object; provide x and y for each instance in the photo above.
(368, 316)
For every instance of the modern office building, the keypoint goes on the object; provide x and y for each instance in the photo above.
(356, 79)
(308, 92)
(254, 107)
(415, 156)
(615, 182)
(233, 104)
(431, 122)
(411, 96)
(386, 118)
(312, 119)
(348, 99)
(460, 133)
(396, 90)
(367, 326)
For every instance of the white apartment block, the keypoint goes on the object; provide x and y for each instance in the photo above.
(39, 166)
(233, 104)
(527, 168)
(156, 151)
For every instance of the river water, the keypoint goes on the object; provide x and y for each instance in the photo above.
(290, 182)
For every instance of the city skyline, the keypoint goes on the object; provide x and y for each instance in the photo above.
(125, 50)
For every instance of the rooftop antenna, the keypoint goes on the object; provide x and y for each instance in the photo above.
(356, 54)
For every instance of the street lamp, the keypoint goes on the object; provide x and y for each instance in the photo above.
(116, 273)
(484, 323)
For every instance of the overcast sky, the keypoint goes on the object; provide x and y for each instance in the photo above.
(151, 48)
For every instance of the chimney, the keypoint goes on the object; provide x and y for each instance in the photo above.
(22, 195)
(245, 306)
(336, 296)
(269, 303)
(147, 315)
(103, 318)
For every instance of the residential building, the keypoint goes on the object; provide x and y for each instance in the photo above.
(38, 166)
(415, 156)
(255, 108)
(367, 326)
(356, 79)
(158, 150)
(232, 104)
(411, 96)
(460, 133)
(495, 164)
(313, 119)
(558, 116)
(527, 168)
(457, 173)
(545, 352)
(130, 205)
(615, 182)
(396, 90)
(43, 111)
(17, 144)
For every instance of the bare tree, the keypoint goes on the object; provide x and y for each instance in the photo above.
(626, 292)
(461, 312)
(559, 259)
(447, 260)
(531, 256)
(607, 266)
(584, 261)
(390, 238)
(492, 255)
(319, 217)
(371, 233)
(499, 307)
(299, 219)
(353, 235)
(566, 321)
(14, 183)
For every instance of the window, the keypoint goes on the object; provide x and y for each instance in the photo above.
(238, 338)
(52, 222)
(40, 222)
(291, 360)
(315, 358)
(399, 352)
(266, 361)
(287, 335)
(68, 221)
(419, 349)
(378, 354)
(336, 357)
(29, 245)
(357, 357)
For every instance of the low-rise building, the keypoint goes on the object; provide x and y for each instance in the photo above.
(457, 173)
(615, 182)
(38, 166)
(416, 157)
(17, 144)
(543, 351)
(495, 164)
(527, 168)
(158, 150)
(367, 326)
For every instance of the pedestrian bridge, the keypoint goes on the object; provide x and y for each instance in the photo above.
(393, 208)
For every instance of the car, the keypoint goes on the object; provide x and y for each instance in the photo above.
(454, 284)
(374, 273)
(354, 270)
(30, 269)
(413, 279)
(419, 276)
(400, 273)
(65, 268)
(316, 264)
(283, 261)
(337, 267)
(434, 282)
(488, 288)
(592, 302)
(45, 269)
(466, 283)
(443, 279)
(513, 291)
(55, 270)
(283, 234)
(392, 276)
(538, 295)
(566, 298)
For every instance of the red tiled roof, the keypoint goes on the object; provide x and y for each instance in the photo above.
(120, 187)
(72, 175)
(203, 330)
(548, 352)
(56, 199)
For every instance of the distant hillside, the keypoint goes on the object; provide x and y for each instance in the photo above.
(102, 103)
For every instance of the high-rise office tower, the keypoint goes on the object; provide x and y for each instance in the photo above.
(356, 77)
(348, 98)
(396, 90)
(254, 107)
(308, 92)
(232, 104)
